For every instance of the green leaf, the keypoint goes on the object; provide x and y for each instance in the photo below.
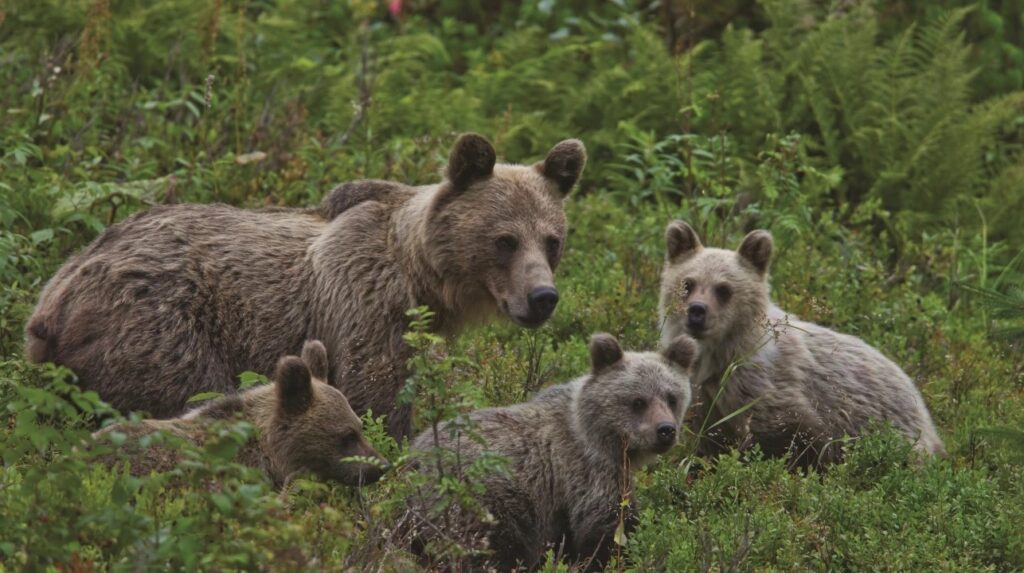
(249, 379)
(205, 396)
(735, 412)
(41, 236)
(117, 438)
(303, 63)
(222, 501)
(620, 533)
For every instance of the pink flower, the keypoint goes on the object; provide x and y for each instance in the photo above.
(395, 7)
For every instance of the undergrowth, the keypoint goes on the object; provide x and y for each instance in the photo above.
(881, 147)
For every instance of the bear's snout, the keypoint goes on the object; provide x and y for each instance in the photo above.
(358, 474)
(696, 315)
(542, 302)
(370, 473)
(666, 433)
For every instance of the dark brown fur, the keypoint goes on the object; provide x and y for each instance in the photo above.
(348, 195)
(303, 425)
(180, 299)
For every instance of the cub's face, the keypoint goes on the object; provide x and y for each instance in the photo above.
(498, 231)
(315, 428)
(326, 435)
(709, 293)
(637, 399)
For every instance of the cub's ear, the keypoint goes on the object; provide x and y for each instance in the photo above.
(564, 163)
(756, 249)
(681, 351)
(681, 241)
(294, 386)
(605, 352)
(314, 354)
(472, 159)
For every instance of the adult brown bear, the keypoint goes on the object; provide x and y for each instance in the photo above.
(180, 299)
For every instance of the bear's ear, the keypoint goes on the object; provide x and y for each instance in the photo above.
(681, 241)
(294, 386)
(681, 351)
(564, 164)
(314, 354)
(605, 352)
(756, 248)
(472, 159)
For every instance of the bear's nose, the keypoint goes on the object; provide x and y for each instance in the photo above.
(542, 301)
(666, 434)
(696, 313)
(371, 472)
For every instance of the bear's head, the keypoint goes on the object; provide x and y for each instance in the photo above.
(713, 294)
(313, 427)
(495, 232)
(634, 401)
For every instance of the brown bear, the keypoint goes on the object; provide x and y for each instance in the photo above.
(570, 453)
(180, 299)
(808, 386)
(303, 423)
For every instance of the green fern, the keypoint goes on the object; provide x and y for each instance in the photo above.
(1005, 306)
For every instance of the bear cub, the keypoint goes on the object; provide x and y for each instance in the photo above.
(812, 386)
(570, 452)
(304, 424)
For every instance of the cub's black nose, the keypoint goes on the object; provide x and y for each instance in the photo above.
(542, 301)
(696, 313)
(370, 473)
(666, 434)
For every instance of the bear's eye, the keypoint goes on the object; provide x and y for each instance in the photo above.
(554, 247)
(724, 293)
(672, 401)
(688, 286)
(348, 440)
(506, 244)
(639, 404)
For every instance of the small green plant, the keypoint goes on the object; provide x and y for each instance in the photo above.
(451, 493)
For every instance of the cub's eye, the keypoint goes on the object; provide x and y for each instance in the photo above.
(639, 404)
(348, 440)
(672, 401)
(506, 244)
(723, 292)
(688, 286)
(554, 247)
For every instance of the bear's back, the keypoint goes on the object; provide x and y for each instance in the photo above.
(848, 381)
(350, 194)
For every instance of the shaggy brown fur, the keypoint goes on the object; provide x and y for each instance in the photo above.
(180, 299)
(348, 195)
(570, 451)
(303, 423)
(812, 385)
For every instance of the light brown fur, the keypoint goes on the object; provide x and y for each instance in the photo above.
(179, 300)
(812, 386)
(303, 424)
